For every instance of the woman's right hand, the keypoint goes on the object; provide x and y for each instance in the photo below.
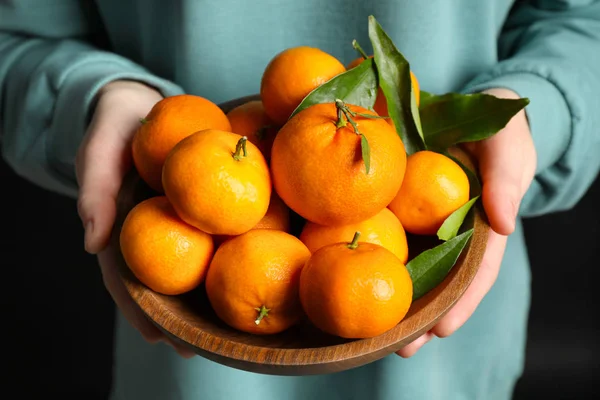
(103, 159)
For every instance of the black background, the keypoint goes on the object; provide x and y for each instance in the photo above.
(57, 320)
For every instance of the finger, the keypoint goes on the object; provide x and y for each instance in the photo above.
(130, 309)
(412, 348)
(482, 283)
(501, 172)
(101, 165)
(124, 302)
(180, 349)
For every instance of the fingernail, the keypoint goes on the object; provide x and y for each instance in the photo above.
(89, 230)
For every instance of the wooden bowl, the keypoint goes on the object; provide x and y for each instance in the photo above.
(302, 350)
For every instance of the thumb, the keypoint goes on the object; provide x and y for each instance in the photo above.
(501, 174)
(507, 164)
(103, 160)
(104, 156)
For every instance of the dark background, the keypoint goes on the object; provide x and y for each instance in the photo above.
(58, 319)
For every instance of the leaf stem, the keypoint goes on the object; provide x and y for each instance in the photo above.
(240, 148)
(262, 312)
(347, 112)
(359, 49)
(354, 244)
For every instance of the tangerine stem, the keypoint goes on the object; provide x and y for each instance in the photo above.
(240, 148)
(262, 312)
(341, 122)
(354, 244)
(359, 49)
(343, 110)
(143, 120)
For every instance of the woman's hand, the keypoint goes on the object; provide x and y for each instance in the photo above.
(507, 163)
(103, 158)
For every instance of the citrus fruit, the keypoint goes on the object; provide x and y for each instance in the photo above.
(250, 120)
(434, 187)
(355, 290)
(319, 172)
(218, 182)
(383, 229)
(291, 75)
(252, 282)
(277, 217)
(170, 120)
(163, 252)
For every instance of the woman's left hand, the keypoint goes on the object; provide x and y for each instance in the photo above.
(507, 163)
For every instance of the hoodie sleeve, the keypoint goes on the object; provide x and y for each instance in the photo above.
(49, 76)
(550, 52)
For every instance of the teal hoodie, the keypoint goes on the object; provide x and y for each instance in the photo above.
(55, 55)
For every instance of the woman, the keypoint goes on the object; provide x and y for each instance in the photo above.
(75, 78)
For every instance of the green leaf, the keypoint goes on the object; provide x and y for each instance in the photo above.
(394, 79)
(428, 269)
(426, 98)
(357, 86)
(456, 118)
(366, 152)
(452, 224)
(416, 114)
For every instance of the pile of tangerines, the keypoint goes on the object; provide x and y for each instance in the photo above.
(229, 184)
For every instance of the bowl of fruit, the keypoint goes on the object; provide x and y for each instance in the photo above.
(313, 227)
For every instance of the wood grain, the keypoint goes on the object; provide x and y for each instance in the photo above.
(302, 350)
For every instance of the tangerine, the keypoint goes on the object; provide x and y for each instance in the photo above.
(318, 168)
(218, 182)
(253, 280)
(250, 120)
(355, 290)
(163, 252)
(291, 75)
(277, 217)
(168, 122)
(434, 187)
(383, 229)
